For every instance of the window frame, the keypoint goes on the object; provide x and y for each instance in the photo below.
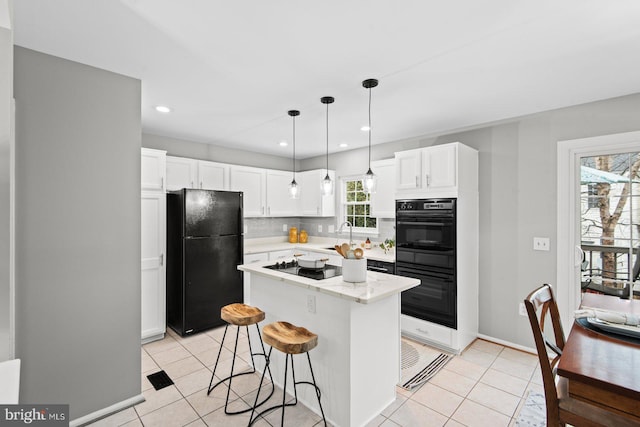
(369, 231)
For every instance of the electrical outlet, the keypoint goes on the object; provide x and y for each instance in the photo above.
(311, 303)
(284, 227)
(319, 228)
(246, 229)
(540, 243)
(522, 310)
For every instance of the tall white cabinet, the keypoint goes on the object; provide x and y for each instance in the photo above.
(153, 244)
(447, 171)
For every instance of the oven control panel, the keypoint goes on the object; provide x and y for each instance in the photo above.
(425, 205)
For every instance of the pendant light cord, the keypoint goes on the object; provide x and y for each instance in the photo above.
(327, 139)
(369, 128)
(294, 148)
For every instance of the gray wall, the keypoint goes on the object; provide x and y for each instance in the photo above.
(216, 153)
(6, 96)
(517, 189)
(78, 233)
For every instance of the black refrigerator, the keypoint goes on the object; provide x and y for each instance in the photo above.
(204, 248)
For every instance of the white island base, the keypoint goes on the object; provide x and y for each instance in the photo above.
(357, 361)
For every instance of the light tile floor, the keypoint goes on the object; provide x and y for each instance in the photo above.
(484, 386)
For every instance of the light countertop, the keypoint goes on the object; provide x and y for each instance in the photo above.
(378, 285)
(316, 244)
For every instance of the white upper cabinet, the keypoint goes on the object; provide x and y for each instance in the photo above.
(439, 164)
(312, 201)
(408, 169)
(153, 169)
(213, 176)
(191, 173)
(383, 203)
(279, 203)
(252, 182)
(438, 171)
(181, 173)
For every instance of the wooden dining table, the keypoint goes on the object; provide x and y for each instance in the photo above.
(601, 368)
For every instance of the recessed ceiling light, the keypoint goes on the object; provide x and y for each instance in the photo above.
(365, 128)
(163, 109)
(343, 145)
(283, 143)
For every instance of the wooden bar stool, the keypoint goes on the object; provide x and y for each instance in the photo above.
(290, 340)
(241, 315)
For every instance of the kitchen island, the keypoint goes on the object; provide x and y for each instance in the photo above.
(357, 360)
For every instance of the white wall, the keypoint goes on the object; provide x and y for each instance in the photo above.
(77, 233)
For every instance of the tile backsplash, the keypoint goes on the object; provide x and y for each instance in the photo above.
(272, 227)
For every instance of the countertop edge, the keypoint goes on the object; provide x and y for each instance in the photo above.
(406, 283)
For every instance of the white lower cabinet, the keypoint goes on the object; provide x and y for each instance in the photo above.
(250, 259)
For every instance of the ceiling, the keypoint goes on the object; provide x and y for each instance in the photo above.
(231, 70)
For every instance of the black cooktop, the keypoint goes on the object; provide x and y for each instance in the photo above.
(291, 267)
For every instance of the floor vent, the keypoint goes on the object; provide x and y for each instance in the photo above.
(160, 380)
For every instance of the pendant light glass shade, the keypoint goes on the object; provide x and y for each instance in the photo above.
(327, 183)
(294, 188)
(370, 180)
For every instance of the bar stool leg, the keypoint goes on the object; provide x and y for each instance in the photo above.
(317, 389)
(217, 359)
(255, 403)
(232, 375)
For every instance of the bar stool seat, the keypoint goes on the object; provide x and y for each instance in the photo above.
(290, 340)
(240, 315)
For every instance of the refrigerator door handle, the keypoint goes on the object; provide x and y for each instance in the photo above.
(161, 260)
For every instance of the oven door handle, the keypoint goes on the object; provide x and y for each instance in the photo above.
(439, 276)
(433, 224)
(378, 269)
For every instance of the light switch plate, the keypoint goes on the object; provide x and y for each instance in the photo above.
(540, 243)
(319, 228)
(284, 227)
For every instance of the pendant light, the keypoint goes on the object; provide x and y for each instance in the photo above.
(327, 184)
(369, 182)
(294, 189)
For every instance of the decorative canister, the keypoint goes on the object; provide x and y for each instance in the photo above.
(304, 237)
(293, 235)
(354, 270)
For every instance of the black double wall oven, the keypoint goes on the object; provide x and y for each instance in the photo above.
(426, 250)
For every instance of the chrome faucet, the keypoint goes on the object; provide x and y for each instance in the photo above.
(350, 232)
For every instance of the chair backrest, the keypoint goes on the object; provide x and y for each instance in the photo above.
(539, 303)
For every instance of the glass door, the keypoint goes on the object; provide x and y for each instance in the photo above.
(610, 223)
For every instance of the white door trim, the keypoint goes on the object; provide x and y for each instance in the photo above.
(568, 261)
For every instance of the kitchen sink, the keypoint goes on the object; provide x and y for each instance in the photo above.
(330, 249)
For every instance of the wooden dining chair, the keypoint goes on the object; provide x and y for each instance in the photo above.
(561, 408)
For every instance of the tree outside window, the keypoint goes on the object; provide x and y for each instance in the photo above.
(610, 214)
(357, 206)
